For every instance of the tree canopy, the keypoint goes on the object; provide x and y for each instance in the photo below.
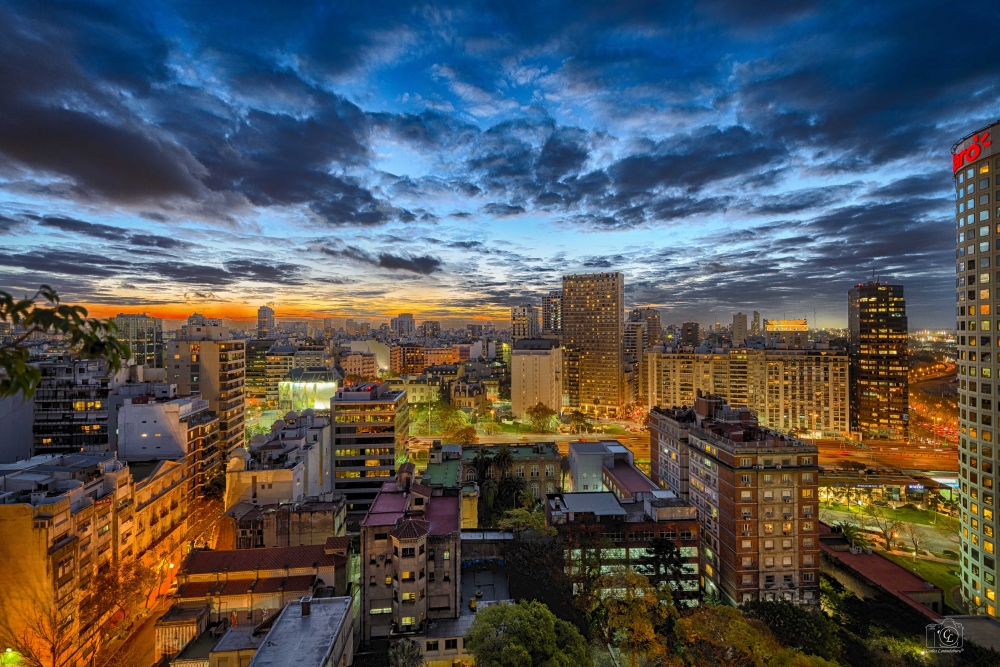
(525, 634)
(44, 314)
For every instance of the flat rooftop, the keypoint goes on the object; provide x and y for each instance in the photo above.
(629, 477)
(304, 641)
(601, 503)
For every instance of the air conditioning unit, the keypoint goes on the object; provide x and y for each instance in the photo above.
(855, 550)
(759, 467)
(777, 467)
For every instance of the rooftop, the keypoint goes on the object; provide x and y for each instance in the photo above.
(304, 641)
(446, 473)
(628, 477)
(536, 344)
(250, 560)
(603, 503)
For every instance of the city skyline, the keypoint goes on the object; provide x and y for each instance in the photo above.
(457, 162)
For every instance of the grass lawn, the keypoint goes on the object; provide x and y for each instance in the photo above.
(614, 429)
(941, 575)
(922, 517)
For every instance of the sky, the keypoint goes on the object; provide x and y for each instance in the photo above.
(360, 159)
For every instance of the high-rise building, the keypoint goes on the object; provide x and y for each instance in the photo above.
(634, 342)
(256, 368)
(976, 308)
(144, 336)
(654, 328)
(403, 326)
(431, 328)
(757, 497)
(536, 375)
(523, 322)
(878, 339)
(691, 334)
(593, 327)
(328, 327)
(370, 423)
(265, 322)
(280, 362)
(208, 362)
(755, 325)
(552, 313)
(739, 329)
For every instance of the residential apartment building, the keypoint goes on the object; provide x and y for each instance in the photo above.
(654, 328)
(411, 559)
(65, 518)
(175, 429)
(403, 325)
(407, 359)
(311, 632)
(536, 375)
(265, 323)
(211, 364)
(552, 313)
(739, 334)
(71, 405)
(690, 334)
(786, 333)
(757, 497)
(593, 357)
(256, 368)
(420, 389)
(370, 425)
(788, 389)
(144, 336)
(879, 335)
(280, 362)
(360, 365)
(634, 342)
(524, 322)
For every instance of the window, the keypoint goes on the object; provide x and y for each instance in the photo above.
(450, 644)
(747, 561)
(809, 577)
(768, 561)
(520, 471)
(534, 471)
(745, 495)
(407, 576)
(768, 544)
(747, 544)
(432, 645)
(747, 580)
(746, 462)
(447, 555)
(408, 620)
(409, 597)
(768, 527)
(745, 479)
(409, 552)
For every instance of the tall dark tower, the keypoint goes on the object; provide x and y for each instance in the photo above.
(876, 314)
(975, 163)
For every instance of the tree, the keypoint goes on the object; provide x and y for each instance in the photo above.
(633, 609)
(406, 653)
(808, 631)
(720, 635)
(914, 534)
(663, 561)
(503, 460)
(886, 524)
(489, 489)
(579, 422)
(525, 634)
(853, 532)
(121, 589)
(521, 519)
(39, 632)
(564, 469)
(508, 491)
(44, 314)
(464, 436)
(540, 417)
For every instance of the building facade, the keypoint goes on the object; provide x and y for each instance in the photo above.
(211, 364)
(552, 313)
(360, 365)
(876, 318)
(654, 328)
(976, 165)
(536, 375)
(144, 336)
(256, 368)
(524, 322)
(739, 329)
(757, 497)
(370, 424)
(265, 323)
(71, 405)
(593, 356)
(691, 334)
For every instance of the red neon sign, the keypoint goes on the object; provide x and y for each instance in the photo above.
(972, 152)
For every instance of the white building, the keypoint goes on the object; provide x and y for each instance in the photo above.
(403, 326)
(536, 374)
(739, 329)
(524, 322)
(151, 430)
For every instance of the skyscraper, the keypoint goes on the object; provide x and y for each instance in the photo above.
(755, 324)
(265, 322)
(876, 318)
(654, 329)
(739, 329)
(973, 158)
(403, 326)
(593, 322)
(523, 322)
(552, 313)
(144, 336)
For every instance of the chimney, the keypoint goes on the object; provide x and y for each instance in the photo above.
(306, 606)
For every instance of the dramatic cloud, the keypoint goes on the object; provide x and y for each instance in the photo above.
(466, 156)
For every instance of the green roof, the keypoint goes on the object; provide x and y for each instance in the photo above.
(516, 451)
(446, 474)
